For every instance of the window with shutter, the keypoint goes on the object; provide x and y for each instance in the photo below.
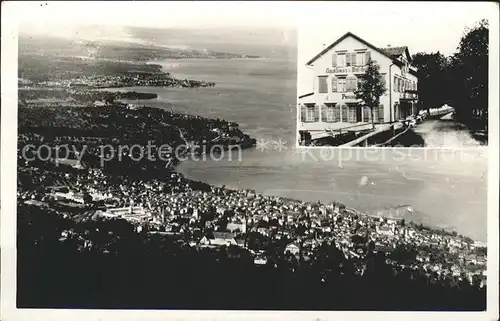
(341, 59)
(330, 116)
(353, 83)
(348, 59)
(344, 113)
(322, 84)
(341, 85)
(324, 110)
(334, 84)
(316, 113)
(368, 56)
(375, 114)
(303, 113)
(309, 113)
(380, 113)
(360, 59)
(348, 84)
(352, 113)
(367, 114)
(354, 59)
(336, 112)
(334, 60)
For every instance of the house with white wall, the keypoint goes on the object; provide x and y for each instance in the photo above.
(336, 72)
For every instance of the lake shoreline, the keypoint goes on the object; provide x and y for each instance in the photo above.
(434, 228)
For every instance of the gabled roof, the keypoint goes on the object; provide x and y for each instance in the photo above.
(388, 54)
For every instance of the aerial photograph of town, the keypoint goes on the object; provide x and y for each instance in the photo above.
(168, 165)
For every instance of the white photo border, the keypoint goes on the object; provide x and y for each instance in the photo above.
(8, 310)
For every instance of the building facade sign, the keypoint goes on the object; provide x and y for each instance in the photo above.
(339, 70)
(349, 97)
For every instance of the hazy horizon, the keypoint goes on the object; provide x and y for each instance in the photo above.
(266, 43)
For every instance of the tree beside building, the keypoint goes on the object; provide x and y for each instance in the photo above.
(371, 88)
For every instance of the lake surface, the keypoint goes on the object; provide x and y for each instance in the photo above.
(444, 188)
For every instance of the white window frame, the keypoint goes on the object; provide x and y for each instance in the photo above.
(366, 110)
(344, 60)
(341, 81)
(310, 113)
(361, 61)
(337, 113)
(330, 112)
(351, 113)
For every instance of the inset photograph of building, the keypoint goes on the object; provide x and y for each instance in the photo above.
(355, 93)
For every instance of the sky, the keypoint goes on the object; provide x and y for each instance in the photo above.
(190, 14)
(422, 26)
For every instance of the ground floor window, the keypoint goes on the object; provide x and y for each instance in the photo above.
(330, 116)
(352, 113)
(331, 113)
(380, 114)
(344, 113)
(336, 112)
(309, 113)
(367, 114)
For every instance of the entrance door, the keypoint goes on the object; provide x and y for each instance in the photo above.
(359, 113)
(404, 107)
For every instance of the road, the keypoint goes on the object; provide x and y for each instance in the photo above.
(445, 132)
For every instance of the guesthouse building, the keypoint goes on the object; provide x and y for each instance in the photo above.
(332, 108)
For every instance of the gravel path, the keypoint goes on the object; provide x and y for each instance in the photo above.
(445, 132)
